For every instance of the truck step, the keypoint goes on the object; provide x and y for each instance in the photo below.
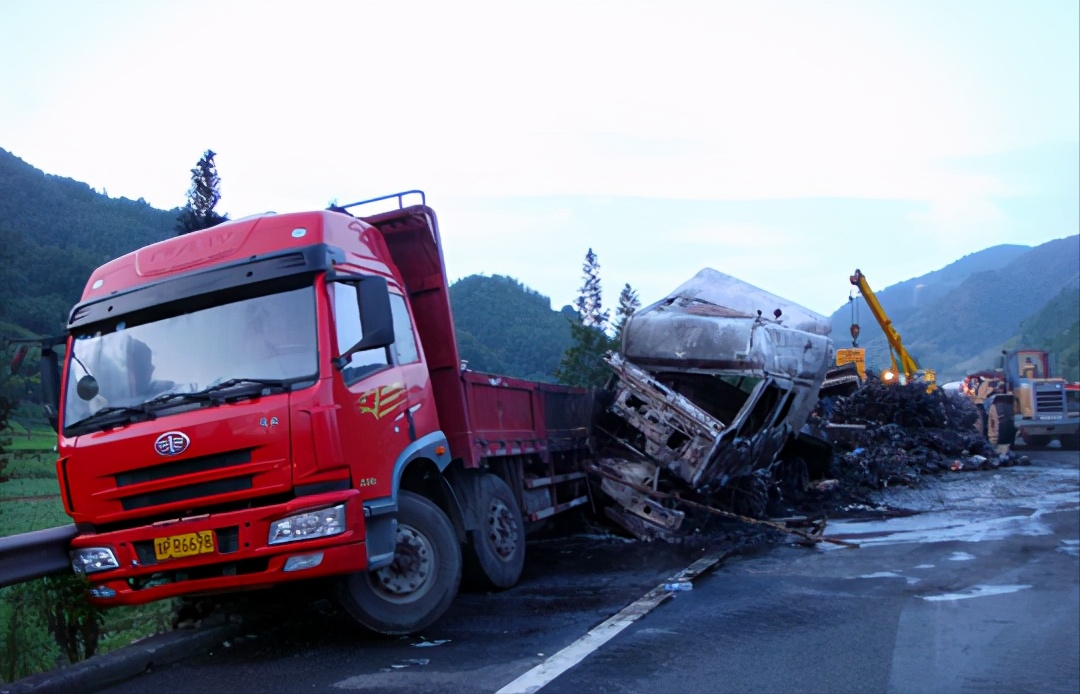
(552, 510)
(538, 482)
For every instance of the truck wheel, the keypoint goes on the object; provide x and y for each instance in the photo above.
(746, 496)
(999, 423)
(1037, 441)
(496, 554)
(421, 582)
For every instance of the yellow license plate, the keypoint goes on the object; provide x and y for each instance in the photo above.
(186, 545)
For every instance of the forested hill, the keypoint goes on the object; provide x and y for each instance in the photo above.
(53, 232)
(503, 327)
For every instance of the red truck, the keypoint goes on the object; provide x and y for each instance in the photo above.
(281, 398)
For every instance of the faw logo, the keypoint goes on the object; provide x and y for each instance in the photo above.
(188, 250)
(171, 443)
(381, 401)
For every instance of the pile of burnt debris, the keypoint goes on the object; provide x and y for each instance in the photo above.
(717, 412)
(894, 434)
(881, 436)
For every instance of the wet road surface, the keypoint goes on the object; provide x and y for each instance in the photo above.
(978, 593)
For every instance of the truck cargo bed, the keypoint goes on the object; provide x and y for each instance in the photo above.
(512, 416)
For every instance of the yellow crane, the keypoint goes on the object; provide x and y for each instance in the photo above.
(904, 369)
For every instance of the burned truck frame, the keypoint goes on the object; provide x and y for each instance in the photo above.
(711, 389)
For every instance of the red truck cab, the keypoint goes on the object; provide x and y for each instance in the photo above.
(280, 398)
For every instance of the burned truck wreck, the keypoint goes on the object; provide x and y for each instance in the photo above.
(710, 392)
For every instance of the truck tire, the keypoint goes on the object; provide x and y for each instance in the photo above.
(1000, 429)
(418, 586)
(496, 556)
(1038, 441)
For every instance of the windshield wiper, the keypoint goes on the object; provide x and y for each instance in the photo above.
(212, 394)
(265, 383)
(127, 414)
(209, 393)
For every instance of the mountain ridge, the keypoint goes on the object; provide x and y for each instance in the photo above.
(965, 316)
(54, 231)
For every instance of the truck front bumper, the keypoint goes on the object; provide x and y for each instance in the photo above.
(1062, 426)
(241, 556)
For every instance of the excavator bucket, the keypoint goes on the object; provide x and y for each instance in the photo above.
(841, 380)
(853, 355)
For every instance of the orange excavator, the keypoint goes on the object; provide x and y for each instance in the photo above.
(903, 367)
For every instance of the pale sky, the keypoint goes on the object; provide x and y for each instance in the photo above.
(785, 143)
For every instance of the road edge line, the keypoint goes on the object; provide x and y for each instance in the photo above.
(541, 675)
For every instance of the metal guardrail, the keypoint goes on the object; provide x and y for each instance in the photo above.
(27, 556)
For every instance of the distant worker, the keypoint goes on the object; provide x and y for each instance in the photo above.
(1030, 370)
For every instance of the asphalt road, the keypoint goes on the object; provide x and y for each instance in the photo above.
(978, 593)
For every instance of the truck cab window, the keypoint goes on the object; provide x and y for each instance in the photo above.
(405, 351)
(135, 359)
(349, 332)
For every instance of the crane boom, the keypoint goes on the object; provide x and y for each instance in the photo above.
(902, 361)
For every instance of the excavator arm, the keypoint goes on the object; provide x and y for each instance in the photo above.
(902, 361)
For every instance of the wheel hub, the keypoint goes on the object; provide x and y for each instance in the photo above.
(502, 530)
(412, 565)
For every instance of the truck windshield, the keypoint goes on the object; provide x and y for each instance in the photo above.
(265, 340)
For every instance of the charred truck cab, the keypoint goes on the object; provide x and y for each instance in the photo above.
(280, 398)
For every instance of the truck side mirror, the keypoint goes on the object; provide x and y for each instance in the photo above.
(375, 315)
(376, 318)
(50, 381)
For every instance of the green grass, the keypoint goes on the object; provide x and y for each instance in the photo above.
(35, 475)
(19, 488)
(39, 466)
(35, 647)
(30, 476)
(25, 516)
(37, 440)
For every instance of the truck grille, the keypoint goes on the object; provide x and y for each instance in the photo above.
(1049, 402)
(184, 467)
(191, 491)
(235, 568)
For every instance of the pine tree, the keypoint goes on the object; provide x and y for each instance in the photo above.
(628, 303)
(582, 364)
(203, 196)
(589, 303)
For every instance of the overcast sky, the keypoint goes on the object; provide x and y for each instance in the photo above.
(783, 143)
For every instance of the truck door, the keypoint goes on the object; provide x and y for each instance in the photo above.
(386, 405)
(420, 415)
(370, 397)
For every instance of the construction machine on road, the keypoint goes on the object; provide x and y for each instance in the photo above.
(1021, 398)
(903, 368)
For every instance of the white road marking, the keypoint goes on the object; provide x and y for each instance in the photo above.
(1070, 547)
(976, 592)
(545, 672)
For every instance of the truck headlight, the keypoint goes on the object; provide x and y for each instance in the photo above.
(88, 560)
(310, 524)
